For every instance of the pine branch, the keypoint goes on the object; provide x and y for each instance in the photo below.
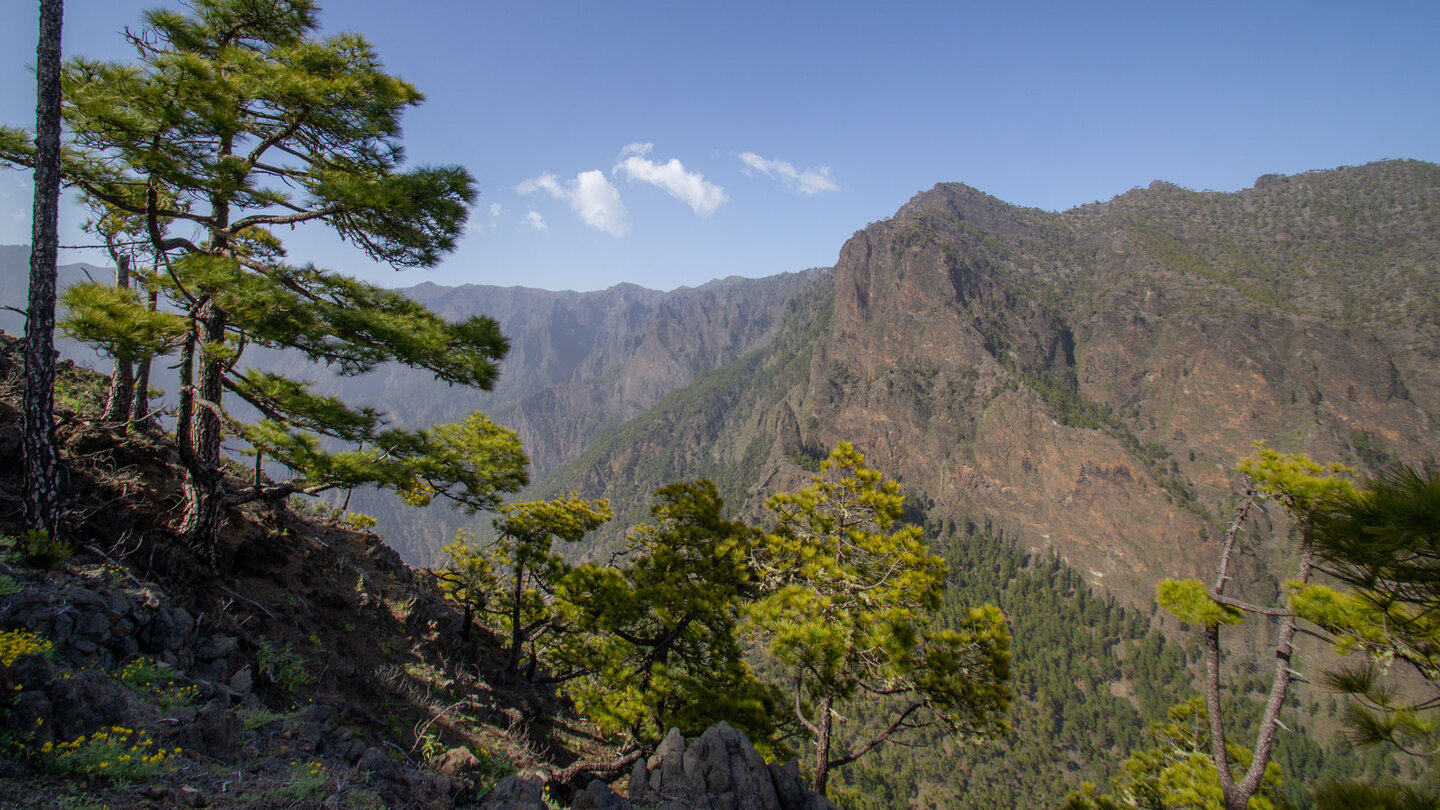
(898, 723)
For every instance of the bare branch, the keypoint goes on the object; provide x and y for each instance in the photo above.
(1248, 607)
(1223, 569)
(877, 739)
(285, 219)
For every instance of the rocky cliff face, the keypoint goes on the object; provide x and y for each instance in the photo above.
(1088, 380)
(578, 363)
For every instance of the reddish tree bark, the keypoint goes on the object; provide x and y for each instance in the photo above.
(41, 458)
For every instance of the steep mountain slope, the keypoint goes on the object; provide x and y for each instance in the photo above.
(1084, 383)
(579, 364)
(1087, 380)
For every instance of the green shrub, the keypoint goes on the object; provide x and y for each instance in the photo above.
(149, 677)
(119, 754)
(15, 643)
(283, 665)
(307, 781)
(35, 547)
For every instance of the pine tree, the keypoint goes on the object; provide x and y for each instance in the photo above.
(1382, 540)
(853, 615)
(1304, 489)
(126, 325)
(665, 649)
(1179, 771)
(236, 120)
(532, 569)
(41, 459)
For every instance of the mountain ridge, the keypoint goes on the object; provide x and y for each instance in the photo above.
(579, 363)
(1065, 376)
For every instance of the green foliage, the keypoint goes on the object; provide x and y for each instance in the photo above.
(853, 610)
(34, 547)
(1356, 795)
(1303, 487)
(119, 322)
(256, 717)
(158, 682)
(360, 521)
(118, 754)
(306, 783)
(1069, 405)
(492, 767)
(1190, 601)
(667, 654)
(237, 119)
(532, 569)
(472, 463)
(510, 581)
(1082, 664)
(1383, 541)
(283, 665)
(1177, 772)
(468, 577)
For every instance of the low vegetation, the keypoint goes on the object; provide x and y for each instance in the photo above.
(182, 634)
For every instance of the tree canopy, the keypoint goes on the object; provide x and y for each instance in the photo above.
(1382, 540)
(668, 653)
(237, 119)
(852, 612)
(1304, 489)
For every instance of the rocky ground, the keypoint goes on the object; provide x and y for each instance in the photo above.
(309, 668)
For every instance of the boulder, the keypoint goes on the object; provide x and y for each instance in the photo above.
(720, 770)
(724, 765)
(379, 766)
(213, 731)
(598, 796)
(87, 702)
(515, 793)
(462, 768)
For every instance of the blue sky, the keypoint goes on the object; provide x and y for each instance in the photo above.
(669, 143)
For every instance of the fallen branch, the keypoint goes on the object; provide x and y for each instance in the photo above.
(259, 606)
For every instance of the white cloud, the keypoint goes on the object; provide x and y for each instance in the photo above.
(534, 220)
(590, 194)
(691, 188)
(808, 182)
(494, 209)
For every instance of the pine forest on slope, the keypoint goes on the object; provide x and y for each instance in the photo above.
(968, 345)
(1082, 384)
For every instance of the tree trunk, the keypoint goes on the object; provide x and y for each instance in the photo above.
(122, 376)
(822, 746)
(203, 496)
(140, 413)
(512, 658)
(41, 459)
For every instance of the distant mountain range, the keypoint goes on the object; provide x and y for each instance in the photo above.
(1085, 380)
(579, 364)
(1078, 383)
